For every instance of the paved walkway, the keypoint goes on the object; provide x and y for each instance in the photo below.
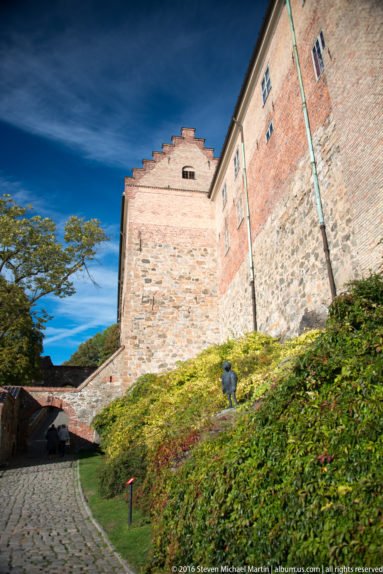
(45, 525)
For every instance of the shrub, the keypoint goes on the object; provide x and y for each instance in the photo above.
(114, 474)
(298, 482)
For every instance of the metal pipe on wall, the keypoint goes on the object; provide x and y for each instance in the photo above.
(251, 262)
(312, 158)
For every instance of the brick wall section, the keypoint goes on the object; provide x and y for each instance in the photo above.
(165, 169)
(168, 310)
(354, 71)
(83, 403)
(291, 279)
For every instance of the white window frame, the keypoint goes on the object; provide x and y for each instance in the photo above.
(224, 195)
(269, 132)
(239, 209)
(236, 162)
(188, 172)
(317, 55)
(226, 236)
(266, 85)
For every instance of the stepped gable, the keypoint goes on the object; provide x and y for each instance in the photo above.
(187, 135)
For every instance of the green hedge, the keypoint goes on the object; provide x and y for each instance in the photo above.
(297, 479)
(299, 482)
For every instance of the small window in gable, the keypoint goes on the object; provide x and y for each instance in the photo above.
(226, 237)
(224, 196)
(317, 54)
(236, 162)
(270, 130)
(239, 207)
(266, 84)
(188, 172)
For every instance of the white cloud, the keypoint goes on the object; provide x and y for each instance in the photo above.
(93, 306)
(71, 88)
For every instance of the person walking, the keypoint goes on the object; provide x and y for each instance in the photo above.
(52, 440)
(63, 439)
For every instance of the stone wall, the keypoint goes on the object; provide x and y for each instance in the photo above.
(354, 74)
(83, 403)
(291, 281)
(62, 375)
(168, 304)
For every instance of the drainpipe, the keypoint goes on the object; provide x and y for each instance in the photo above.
(312, 160)
(251, 263)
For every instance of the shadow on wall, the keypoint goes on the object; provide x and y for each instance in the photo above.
(39, 424)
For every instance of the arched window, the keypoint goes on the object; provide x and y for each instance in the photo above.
(188, 172)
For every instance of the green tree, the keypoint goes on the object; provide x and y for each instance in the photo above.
(34, 263)
(94, 351)
(20, 337)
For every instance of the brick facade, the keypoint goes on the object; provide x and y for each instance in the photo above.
(168, 304)
(346, 119)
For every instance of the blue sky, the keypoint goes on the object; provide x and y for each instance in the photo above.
(88, 90)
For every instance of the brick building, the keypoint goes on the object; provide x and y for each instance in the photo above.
(313, 210)
(168, 263)
(339, 45)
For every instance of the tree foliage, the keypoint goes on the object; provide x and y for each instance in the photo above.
(97, 349)
(31, 255)
(20, 336)
(34, 263)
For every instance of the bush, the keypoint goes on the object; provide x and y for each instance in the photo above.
(114, 474)
(296, 480)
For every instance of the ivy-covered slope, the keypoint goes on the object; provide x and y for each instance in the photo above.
(298, 481)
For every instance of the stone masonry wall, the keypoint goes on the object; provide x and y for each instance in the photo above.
(354, 71)
(291, 282)
(83, 403)
(292, 289)
(170, 310)
(169, 299)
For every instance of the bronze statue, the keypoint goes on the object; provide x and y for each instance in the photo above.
(229, 383)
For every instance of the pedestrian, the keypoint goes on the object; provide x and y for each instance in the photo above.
(63, 439)
(229, 383)
(52, 440)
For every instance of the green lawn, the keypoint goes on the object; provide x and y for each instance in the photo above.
(131, 542)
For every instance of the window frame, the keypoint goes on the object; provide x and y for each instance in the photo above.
(266, 84)
(224, 195)
(237, 163)
(239, 210)
(269, 132)
(187, 169)
(226, 236)
(317, 55)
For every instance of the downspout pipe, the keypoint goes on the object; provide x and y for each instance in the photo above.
(251, 262)
(312, 159)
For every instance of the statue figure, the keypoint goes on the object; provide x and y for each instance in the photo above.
(229, 383)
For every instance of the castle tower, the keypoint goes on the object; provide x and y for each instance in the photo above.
(168, 264)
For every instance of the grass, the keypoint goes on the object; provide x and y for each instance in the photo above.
(131, 542)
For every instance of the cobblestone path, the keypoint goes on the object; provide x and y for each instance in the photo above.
(45, 526)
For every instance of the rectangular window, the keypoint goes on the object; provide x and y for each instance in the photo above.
(239, 207)
(266, 84)
(317, 54)
(270, 130)
(236, 162)
(226, 237)
(224, 196)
